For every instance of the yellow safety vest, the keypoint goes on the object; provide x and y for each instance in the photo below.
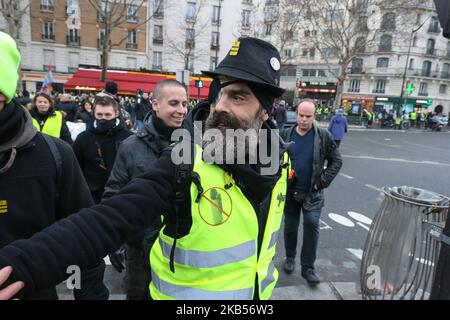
(413, 116)
(218, 259)
(52, 125)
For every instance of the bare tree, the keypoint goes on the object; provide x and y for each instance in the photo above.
(113, 14)
(13, 12)
(188, 31)
(344, 29)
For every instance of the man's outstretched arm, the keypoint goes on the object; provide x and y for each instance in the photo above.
(84, 238)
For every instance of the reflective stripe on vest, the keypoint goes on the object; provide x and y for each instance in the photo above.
(219, 259)
(188, 293)
(270, 277)
(202, 259)
(52, 125)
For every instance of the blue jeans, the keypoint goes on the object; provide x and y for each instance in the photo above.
(138, 124)
(311, 220)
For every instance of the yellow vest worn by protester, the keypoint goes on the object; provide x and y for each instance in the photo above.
(218, 259)
(52, 125)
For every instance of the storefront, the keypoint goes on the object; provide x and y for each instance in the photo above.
(389, 104)
(323, 92)
(129, 83)
(354, 104)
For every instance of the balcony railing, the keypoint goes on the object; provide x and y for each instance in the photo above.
(156, 66)
(378, 91)
(215, 46)
(100, 44)
(158, 40)
(47, 7)
(216, 22)
(356, 71)
(131, 46)
(434, 29)
(48, 37)
(132, 19)
(423, 93)
(445, 75)
(350, 89)
(384, 48)
(73, 41)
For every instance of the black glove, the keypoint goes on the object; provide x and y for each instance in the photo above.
(118, 259)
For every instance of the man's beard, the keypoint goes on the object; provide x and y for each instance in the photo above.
(239, 139)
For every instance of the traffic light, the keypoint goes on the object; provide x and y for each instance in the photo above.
(198, 83)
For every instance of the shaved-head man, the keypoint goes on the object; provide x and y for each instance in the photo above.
(311, 148)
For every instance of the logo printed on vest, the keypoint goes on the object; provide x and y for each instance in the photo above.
(281, 198)
(215, 206)
(3, 206)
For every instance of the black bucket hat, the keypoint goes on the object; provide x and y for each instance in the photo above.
(252, 60)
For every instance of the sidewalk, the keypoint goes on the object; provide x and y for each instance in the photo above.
(324, 291)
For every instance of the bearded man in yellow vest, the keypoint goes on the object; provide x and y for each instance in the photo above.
(220, 229)
(47, 120)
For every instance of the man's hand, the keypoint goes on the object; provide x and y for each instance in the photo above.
(11, 290)
(118, 259)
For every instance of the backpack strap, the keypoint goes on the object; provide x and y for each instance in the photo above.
(58, 161)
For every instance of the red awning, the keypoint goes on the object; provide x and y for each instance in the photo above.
(128, 82)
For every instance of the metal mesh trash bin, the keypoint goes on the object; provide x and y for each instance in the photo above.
(402, 247)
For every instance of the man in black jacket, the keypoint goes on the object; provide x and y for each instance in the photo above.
(40, 180)
(96, 147)
(230, 254)
(138, 154)
(311, 147)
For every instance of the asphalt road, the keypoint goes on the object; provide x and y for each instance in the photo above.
(372, 159)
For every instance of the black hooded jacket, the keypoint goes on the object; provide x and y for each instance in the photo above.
(96, 231)
(96, 152)
(28, 191)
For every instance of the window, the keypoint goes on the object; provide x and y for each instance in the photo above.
(411, 64)
(73, 38)
(49, 59)
(46, 5)
(335, 15)
(309, 72)
(385, 43)
(215, 36)
(288, 71)
(131, 36)
(382, 62)
(312, 53)
(414, 42)
(101, 37)
(157, 59)
(158, 8)
(443, 89)
(157, 34)
(307, 33)
(47, 31)
(74, 61)
(191, 11)
(287, 53)
(388, 22)
(354, 86)
(321, 74)
(216, 14)
(362, 5)
(131, 63)
(246, 18)
(448, 49)
(423, 89)
(380, 86)
(268, 29)
(330, 52)
(131, 40)
(304, 52)
(418, 18)
(362, 24)
(430, 47)
(213, 63)
(357, 65)
(434, 25)
(190, 34)
(360, 45)
(190, 59)
(270, 14)
(445, 71)
(132, 13)
(426, 69)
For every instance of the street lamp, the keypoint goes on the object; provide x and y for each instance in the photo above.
(406, 66)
